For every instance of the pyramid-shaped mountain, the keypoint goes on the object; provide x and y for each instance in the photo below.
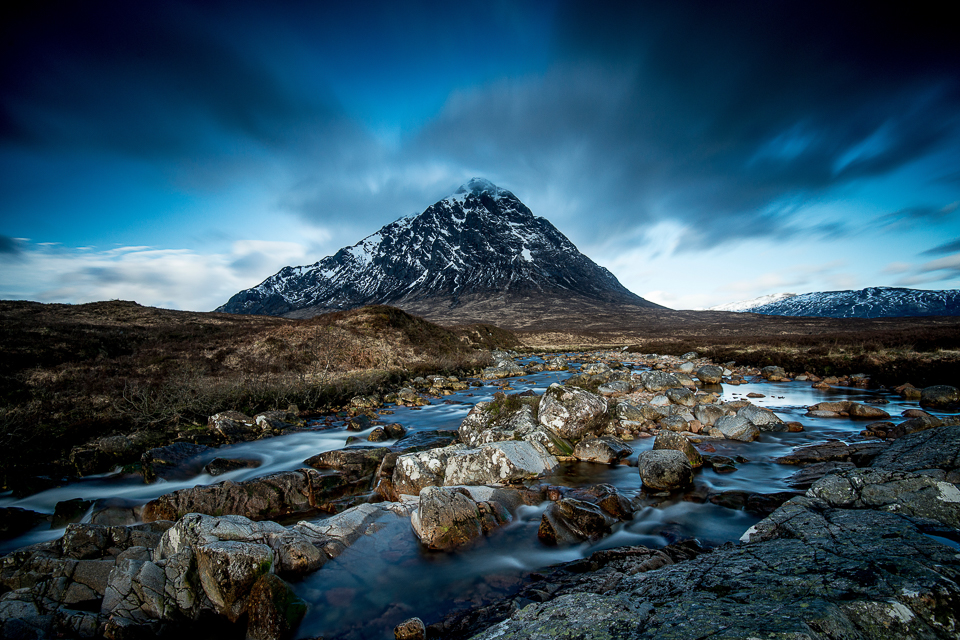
(479, 243)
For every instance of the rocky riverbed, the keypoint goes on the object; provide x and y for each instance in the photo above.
(853, 536)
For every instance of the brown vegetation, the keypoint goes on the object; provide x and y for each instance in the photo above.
(69, 374)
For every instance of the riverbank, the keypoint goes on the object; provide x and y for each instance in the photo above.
(376, 572)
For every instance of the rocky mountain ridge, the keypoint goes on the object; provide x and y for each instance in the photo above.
(481, 241)
(872, 302)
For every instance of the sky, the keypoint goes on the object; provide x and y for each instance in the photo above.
(174, 153)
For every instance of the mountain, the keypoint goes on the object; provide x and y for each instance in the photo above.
(873, 302)
(479, 245)
(747, 305)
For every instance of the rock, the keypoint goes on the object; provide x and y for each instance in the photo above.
(355, 463)
(64, 513)
(449, 518)
(228, 571)
(940, 396)
(665, 469)
(501, 462)
(858, 410)
(484, 425)
(614, 388)
(809, 474)
(735, 428)
(690, 355)
(410, 629)
(265, 498)
(773, 373)
(425, 440)
(274, 610)
(366, 402)
(686, 367)
(275, 422)
(708, 414)
(416, 470)
(583, 514)
(570, 412)
(931, 449)
(859, 453)
(853, 409)
(710, 374)
(233, 426)
(605, 450)
(762, 418)
(15, 521)
(669, 440)
(674, 423)
(910, 494)
(179, 459)
(659, 380)
(556, 364)
(682, 397)
(219, 466)
(504, 370)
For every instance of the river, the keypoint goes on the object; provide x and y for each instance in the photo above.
(388, 577)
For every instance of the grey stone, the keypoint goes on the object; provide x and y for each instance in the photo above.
(604, 449)
(665, 469)
(571, 412)
(677, 442)
(710, 374)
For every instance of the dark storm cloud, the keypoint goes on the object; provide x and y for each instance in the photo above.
(721, 115)
(154, 80)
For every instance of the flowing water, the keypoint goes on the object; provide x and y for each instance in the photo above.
(387, 577)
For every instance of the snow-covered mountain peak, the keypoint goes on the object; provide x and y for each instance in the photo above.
(872, 302)
(480, 186)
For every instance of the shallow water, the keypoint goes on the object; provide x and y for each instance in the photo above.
(387, 577)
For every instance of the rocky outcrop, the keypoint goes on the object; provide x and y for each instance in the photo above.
(570, 412)
(498, 462)
(448, 518)
(494, 422)
(940, 396)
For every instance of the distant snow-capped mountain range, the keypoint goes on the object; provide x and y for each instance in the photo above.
(481, 240)
(872, 302)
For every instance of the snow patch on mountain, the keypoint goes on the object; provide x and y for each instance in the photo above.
(872, 302)
(746, 305)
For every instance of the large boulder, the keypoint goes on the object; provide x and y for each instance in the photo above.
(940, 396)
(773, 373)
(670, 440)
(659, 380)
(604, 449)
(414, 471)
(448, 518)
(500, 462)
(355, 463)
(665, 469)
(735, 427)
(762, 418)
(583, 514)
(233, 426)
(708, 414)
(265, 498)
(570, 412)
(177, 460)
(710, 374)
(494, 422)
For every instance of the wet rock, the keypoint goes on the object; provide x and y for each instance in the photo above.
(416, 470)
(762, 418)
(115, 512)
(735, 427)
(449, 518)
(853, 409)
(665, 469)
(596, 369)
(773, 373)
(233, 426)
(583, 514)
(65, 512)
(669, 440)
(425, 440)
(274, 610)
(682, 397)
(179, 459)
(570, 412)
(690, 355)
(940, 396)
(809, 474)
(674, 423)
(604, 449)
(708, 414)
(366, 402)
(355, 463)
(219, 466)
(15, 521)
(859, 453)
(659, 381)
(933, 449)
(710, 374)
(265, 498)
(483, 426)
(615, 388)
(410, 629)
(335, 534)
(275, 422)
(503, 370)
(498, 462)
(360, 422)
(556, 364)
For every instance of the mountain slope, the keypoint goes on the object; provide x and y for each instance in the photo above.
(478, 243)
(747, 305)
(873, 302)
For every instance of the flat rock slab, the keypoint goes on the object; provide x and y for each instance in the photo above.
(859, 453)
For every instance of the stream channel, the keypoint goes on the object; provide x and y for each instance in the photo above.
(388, 577)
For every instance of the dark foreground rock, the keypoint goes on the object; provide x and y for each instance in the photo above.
(866, 553)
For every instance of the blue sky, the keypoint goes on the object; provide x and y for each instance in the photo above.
(174, 153)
